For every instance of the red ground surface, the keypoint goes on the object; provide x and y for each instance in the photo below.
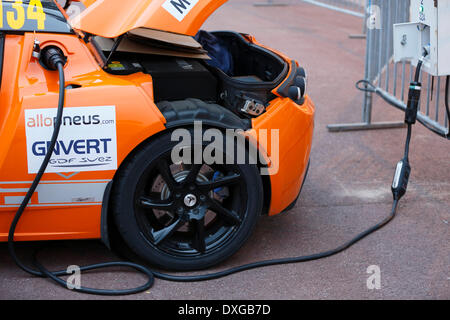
(348, 190)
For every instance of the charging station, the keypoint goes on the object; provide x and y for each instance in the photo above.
(428, 30)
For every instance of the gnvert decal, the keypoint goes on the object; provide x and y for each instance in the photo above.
(179, 8)
(87, 140)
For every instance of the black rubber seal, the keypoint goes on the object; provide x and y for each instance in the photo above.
(283, 90)
(186, 112)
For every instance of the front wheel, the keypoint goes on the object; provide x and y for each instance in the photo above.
(181, 216)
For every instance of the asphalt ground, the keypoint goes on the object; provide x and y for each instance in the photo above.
(347, 191)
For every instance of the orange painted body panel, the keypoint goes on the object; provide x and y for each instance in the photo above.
(295, 125)
(112, 18)
(26, 85)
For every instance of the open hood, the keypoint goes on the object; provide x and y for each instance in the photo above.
(112, 18)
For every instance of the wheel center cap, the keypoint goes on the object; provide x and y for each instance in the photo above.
(190, 200)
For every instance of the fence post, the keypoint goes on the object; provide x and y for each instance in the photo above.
(363, 34)
(367, 123)
(335, 6)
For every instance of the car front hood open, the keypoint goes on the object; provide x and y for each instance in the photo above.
(112, 18)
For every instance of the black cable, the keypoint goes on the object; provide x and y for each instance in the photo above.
(273, 262)
(67, 4)
(418, 69)
(55, 276)
(42, 271)
(39, 175)
(408, 139)
(369, 87)
(416, 81)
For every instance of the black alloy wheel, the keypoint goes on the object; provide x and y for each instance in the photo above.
(184, 216)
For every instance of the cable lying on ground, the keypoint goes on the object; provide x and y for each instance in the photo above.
(398, 188)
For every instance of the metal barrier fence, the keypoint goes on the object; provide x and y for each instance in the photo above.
(353, 7)
(393, 79)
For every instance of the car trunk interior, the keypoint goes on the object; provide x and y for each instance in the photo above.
(186, 72)
(250, 61)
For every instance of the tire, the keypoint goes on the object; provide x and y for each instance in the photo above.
(184, 217)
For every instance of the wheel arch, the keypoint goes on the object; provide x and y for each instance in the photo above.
(182, 114)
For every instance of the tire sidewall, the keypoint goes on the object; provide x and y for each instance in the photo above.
(123, 203)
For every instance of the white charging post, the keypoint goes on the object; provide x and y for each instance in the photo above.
(429, 29)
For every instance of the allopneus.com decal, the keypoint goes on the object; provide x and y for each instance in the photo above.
(87, 141)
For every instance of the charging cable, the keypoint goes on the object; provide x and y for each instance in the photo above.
(53, 59)
(56, 62)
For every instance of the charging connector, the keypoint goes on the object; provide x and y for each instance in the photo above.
(403, 170)
(51, 56)
(401, 179)
(415, 89)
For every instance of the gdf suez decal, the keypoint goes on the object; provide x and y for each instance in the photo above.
(179, 8)
(87, 140)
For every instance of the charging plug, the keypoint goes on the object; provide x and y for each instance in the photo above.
(401, 179)
(51, 57)
(413, 102)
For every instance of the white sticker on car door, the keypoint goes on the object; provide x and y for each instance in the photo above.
(179, 8)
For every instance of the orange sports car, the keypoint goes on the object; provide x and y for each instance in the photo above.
(152, 106)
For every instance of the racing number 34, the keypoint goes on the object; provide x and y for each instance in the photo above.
(15, 18)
